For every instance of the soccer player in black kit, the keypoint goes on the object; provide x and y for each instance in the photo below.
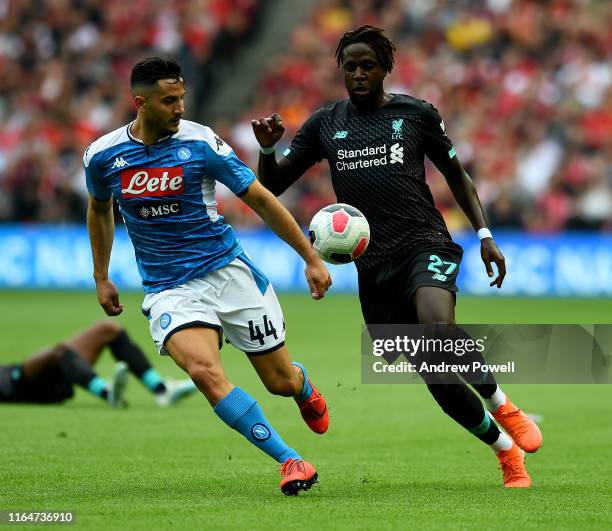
(375, 143)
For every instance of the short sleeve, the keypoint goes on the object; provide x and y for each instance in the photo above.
(224, 166)
(437, 146)
(305, 149)
(95, 184)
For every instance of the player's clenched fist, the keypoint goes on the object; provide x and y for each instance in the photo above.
(268, 130)
(318, 277)
(108, 297)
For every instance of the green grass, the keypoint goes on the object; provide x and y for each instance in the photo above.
(391, 459)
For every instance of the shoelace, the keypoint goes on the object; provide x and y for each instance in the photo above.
(521, 429)
(507, 465)
(285, 468)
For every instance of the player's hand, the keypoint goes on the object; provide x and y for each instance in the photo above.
(108, 297)
(318, 277)
(491, 253)
(268, 130)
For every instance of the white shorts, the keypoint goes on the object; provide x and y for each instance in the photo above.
(237, 299)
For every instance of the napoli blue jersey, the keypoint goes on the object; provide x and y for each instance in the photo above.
(166, 194)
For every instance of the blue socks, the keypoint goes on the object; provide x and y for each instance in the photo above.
(98, 387)
(306, 391)
(152, 380)
(240, 411)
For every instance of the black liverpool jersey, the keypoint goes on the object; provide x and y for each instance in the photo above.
(377, 165)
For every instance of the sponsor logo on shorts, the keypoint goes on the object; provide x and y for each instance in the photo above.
(165, 320)
(152, 182)
(260, 432)
(159, 210)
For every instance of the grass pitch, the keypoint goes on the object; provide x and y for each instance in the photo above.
(391, 459)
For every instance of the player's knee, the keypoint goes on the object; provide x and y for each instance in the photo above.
(109, 330)
(207, 376)
(59, 350)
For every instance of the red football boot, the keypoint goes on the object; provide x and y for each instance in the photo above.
(314, 411)
(297, 475)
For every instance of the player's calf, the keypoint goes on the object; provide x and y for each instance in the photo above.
(283, 384)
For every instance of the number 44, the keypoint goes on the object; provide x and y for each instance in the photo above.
(255, 331)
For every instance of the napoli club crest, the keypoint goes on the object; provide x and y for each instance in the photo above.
(260, 432)
(165, 320)
(183, 153)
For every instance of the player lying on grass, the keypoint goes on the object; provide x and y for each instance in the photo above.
(49, 376)
(198, 281)
(408, 273)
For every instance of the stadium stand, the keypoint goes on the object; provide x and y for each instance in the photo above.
(525, 87)
(64, 69)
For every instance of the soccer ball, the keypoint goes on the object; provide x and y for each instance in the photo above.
(339, 233)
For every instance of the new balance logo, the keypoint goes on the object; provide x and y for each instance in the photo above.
(119, 163)
(340, 135)
(397, 154)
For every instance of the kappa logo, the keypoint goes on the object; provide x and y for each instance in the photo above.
(340, 135)
(120, 163)
(219, 142)
(397, 154)
(397, 129)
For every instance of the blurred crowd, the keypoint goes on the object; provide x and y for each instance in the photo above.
(64, 77)
(524, 87)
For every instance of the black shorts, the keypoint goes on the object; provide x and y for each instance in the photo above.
(386, 291)
(50, 387)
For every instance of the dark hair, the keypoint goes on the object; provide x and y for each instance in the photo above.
(374, 38)
(150, 70)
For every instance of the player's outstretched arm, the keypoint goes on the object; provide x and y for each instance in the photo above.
(275, 176)
(101, 229)
(466, 196)
(278, 218)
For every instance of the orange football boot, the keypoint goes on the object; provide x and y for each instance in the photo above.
(513, 467)
(297, 475)
(314, 411)
(519, 426)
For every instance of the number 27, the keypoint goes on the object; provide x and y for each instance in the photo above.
(436, 262)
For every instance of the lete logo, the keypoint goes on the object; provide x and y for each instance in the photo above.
(152, 182)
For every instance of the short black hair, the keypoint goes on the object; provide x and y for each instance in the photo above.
(150, 70)
(374, 38)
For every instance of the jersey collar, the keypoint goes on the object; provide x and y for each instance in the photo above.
(359, 111)
(133, 138)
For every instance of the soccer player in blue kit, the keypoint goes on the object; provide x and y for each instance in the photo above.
(198, 281)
